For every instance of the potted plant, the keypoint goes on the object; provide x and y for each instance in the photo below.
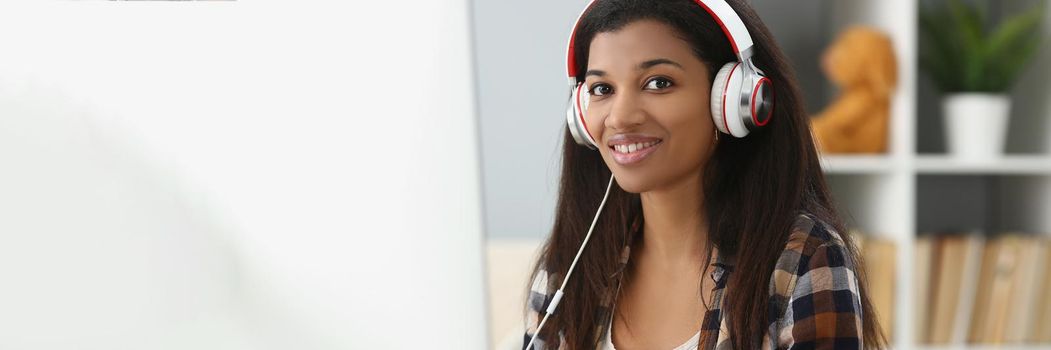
(974, 63)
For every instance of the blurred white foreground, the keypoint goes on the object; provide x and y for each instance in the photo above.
(238, 175)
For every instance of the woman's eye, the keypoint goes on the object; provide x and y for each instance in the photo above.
(599, 89)
(658, 83)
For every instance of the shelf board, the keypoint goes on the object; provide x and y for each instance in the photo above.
(1007, 165)
(985, 347)
(856, 164)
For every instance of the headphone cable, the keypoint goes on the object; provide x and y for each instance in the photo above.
(558, 294)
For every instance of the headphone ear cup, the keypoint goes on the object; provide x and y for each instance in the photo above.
(585, 100)
(719, 97)
(578, 101)
(761, 101)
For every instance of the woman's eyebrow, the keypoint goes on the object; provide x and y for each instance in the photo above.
(594, 72)
(656, 61)
(642, 66)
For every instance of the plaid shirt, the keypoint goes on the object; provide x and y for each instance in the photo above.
(813, 290)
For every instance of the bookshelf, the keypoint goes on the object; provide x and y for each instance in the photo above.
(915, 187)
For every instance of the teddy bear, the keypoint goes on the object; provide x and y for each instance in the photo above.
(861, 63)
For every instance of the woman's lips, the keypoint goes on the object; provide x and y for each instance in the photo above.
(633, 157)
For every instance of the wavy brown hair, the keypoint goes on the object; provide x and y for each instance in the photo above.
(753, 187)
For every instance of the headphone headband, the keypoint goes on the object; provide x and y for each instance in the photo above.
(741, 96)
(723, 14)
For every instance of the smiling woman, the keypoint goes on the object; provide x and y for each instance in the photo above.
(705, 241)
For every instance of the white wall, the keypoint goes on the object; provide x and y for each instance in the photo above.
(522, 94)
(238, 175)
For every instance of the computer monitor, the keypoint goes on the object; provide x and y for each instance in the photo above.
(239, 175)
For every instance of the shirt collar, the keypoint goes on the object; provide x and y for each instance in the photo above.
(721, 267)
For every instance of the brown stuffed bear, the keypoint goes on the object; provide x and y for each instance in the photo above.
(861, 63)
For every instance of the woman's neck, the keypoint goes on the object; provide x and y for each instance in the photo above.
(675, 225)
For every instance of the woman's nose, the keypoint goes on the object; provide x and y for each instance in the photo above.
(625, 113)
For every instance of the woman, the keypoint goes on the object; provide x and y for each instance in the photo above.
(704, 240)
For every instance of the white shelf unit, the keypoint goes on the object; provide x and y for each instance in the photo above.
(986, 347)
(887, 196)
(862, 164)
(1008, 165)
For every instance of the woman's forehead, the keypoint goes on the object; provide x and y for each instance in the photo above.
(638, 42)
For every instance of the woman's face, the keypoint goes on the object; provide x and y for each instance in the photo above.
(649, 109)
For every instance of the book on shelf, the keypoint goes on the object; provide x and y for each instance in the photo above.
(978, 290)
(1041, 332)
(955, 262)
(880, 263)
(921, 287)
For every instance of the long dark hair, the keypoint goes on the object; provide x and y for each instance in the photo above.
(753, 187)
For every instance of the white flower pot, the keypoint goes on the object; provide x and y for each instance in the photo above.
(976, 125)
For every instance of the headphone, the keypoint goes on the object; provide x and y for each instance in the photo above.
(742, 97)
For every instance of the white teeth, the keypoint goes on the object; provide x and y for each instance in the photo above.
(632, 148)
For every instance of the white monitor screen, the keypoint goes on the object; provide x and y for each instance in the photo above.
(239, 175)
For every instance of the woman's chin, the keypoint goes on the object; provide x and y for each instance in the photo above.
(631, 184)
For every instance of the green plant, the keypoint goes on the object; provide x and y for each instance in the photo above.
(962, 55)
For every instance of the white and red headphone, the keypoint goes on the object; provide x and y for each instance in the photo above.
(742, 96)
